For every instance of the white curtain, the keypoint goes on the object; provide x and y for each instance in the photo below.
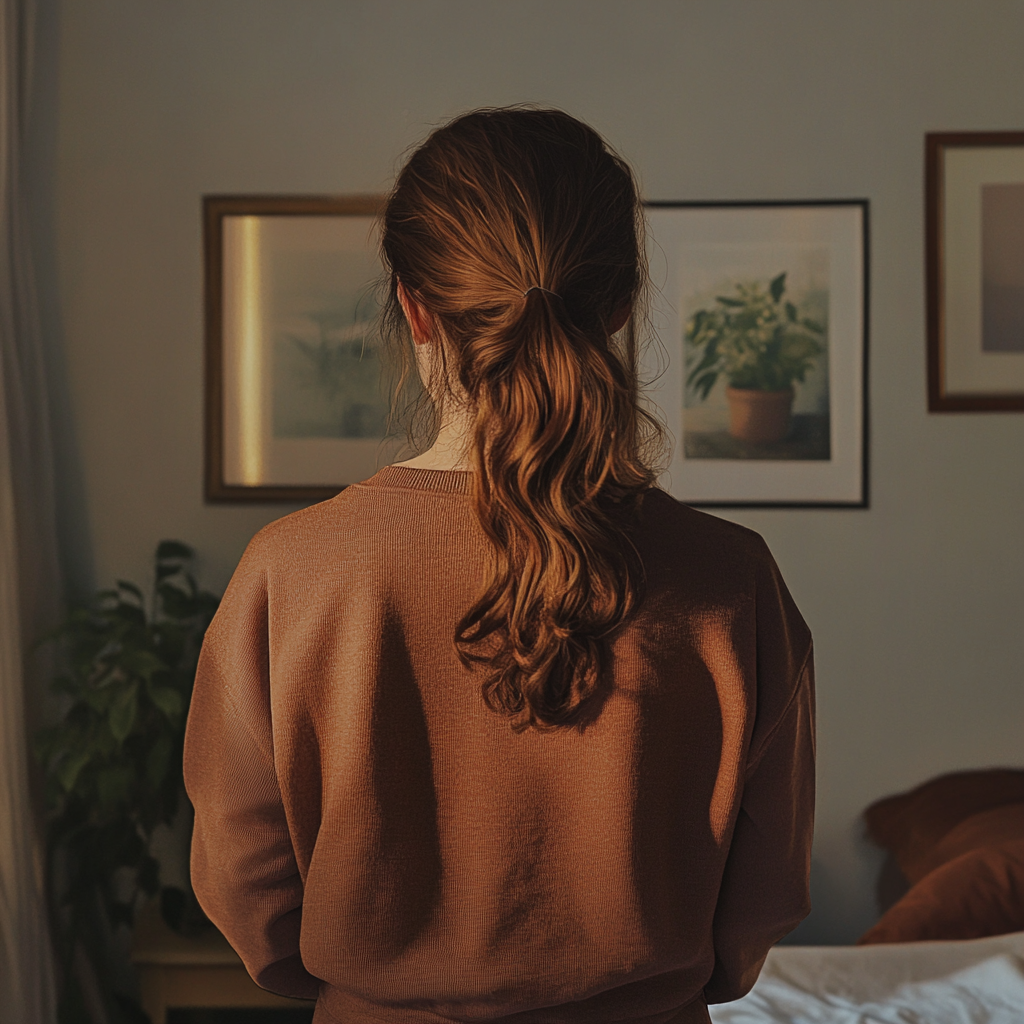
(28, 574)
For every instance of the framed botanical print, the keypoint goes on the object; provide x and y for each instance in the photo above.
(974, 239)
(761, 309)
(294, 403)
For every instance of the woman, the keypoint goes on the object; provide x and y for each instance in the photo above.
(506, 733)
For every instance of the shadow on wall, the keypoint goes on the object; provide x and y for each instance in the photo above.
(74, 535)
(845, 921)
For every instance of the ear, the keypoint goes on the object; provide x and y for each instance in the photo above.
(620, 317)
(618, 321)
(418, 317)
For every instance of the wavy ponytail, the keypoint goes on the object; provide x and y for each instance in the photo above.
(521, 234)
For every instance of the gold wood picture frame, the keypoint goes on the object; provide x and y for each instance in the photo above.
(294, 407)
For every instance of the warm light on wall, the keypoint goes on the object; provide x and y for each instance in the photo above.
(250, 351)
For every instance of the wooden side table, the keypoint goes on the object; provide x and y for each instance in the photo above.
(175, 971)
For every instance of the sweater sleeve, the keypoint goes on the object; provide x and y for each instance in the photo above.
(243, 865)
(764, 893)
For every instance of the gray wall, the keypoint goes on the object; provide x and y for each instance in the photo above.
(144, 105)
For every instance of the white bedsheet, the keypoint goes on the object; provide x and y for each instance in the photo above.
(980, 981)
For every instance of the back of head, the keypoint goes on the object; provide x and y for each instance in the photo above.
(520, 233)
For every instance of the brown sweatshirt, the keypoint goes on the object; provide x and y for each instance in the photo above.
(368, 832)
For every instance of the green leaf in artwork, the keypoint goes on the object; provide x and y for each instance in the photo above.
(697, 324)
(703, 384)
(756, 339)
(123, 710)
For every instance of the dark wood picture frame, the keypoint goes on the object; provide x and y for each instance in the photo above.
(861, 450)
(215, 209)
(939, 342)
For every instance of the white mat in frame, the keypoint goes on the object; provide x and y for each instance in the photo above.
(688, 241)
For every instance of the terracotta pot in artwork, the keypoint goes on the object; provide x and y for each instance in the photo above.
(759, 415)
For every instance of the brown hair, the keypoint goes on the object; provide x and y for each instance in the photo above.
(495, 204)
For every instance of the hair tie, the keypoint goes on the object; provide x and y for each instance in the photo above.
(537, 288)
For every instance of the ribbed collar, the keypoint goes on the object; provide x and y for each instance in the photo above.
(452, 481)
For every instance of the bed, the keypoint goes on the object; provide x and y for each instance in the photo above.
(949, 945)
(971, 981)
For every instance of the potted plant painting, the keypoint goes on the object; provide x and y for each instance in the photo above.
(762, 344)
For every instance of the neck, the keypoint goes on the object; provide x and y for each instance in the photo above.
(450, 450)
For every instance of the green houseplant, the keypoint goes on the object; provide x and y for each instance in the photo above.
(762, 344)
(113, 768)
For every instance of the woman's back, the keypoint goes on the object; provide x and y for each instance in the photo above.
(530, 742)
(443, 866)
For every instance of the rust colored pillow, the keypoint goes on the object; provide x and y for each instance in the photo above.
(912, 824)
(989, 828)
(976, 894)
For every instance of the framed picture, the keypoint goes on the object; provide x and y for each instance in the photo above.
(294, 406)
(974, 228)
(761, 309)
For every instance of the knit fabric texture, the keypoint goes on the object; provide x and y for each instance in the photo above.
(370, 834)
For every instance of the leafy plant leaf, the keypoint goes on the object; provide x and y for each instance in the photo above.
(130, 1009)
(111, 771)
(158, 760)
(71, 767)
(777, 286)
(123, 710)
(176, 602)
(175, 549)
(171, 555)
(100, 696)
(149, 875)
(121, 913)
(168, 700)
(130, 588)
(45, 742)
(143, 663)
(114, 784)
